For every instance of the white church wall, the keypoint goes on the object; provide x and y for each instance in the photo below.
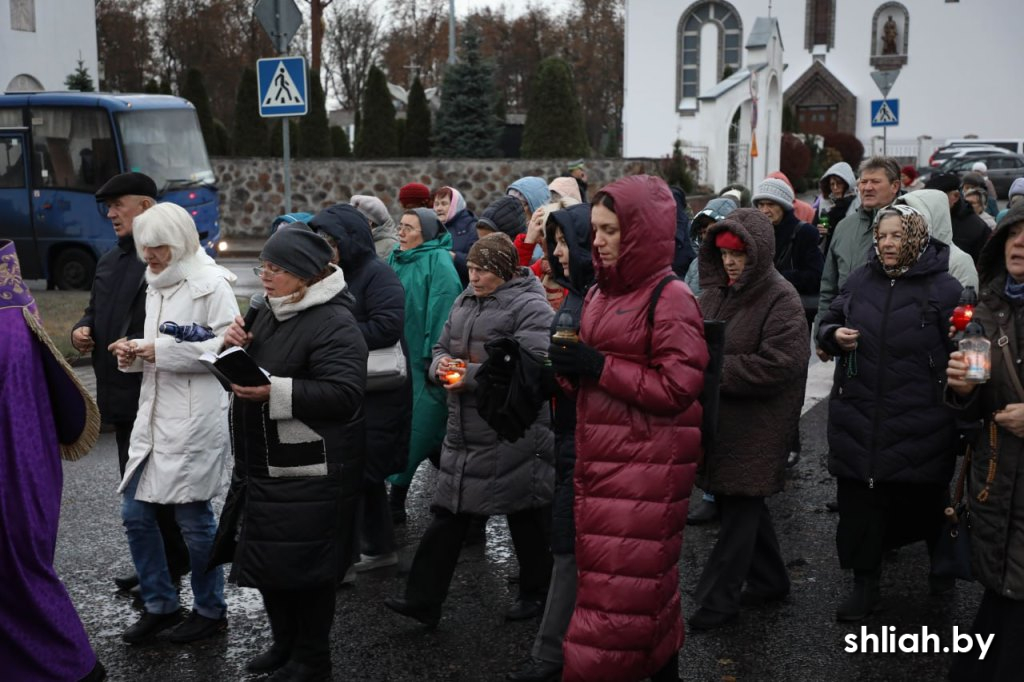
(960, 77)
(64, 31)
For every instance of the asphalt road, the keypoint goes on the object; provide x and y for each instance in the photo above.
(795, 640)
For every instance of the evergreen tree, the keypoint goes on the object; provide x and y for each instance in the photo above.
(195, 92)
(377, 137)
(416, 141)
(339, 143)
(250, 133)
(554, 121)
(223, 139)
(314, 129)
(80, 79)
(151, 87)
(466, 124)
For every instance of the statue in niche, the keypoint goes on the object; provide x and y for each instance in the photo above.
(889, 31)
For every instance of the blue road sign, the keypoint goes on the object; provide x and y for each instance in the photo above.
(885, 112)
(282, 86)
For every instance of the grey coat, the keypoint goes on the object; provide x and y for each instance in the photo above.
(479, 474)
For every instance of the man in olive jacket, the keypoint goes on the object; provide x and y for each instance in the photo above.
(117, 309)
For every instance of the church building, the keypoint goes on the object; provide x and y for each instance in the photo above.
(715, 73)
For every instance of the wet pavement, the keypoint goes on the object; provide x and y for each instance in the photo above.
(797, 639)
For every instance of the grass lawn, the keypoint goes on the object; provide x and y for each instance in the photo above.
(60, 310)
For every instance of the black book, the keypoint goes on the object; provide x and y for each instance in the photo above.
(235, 366)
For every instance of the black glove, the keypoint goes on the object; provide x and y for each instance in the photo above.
(576, 359)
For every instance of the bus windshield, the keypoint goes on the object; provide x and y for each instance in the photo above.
(167, 145)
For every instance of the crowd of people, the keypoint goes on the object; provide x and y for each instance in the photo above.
(552, 365)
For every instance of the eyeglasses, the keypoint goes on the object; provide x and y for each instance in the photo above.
(264, 272)
(406, 227)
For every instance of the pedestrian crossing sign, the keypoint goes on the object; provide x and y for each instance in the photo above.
(282, 86)
(885, 112)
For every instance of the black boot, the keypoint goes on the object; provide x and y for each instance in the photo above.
(864, 599)
(397, 503)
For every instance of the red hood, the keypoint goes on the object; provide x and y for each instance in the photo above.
(647, 220)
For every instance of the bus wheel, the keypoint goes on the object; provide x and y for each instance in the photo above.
(73, 269)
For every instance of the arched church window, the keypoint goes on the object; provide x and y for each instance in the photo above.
(709, 41)
(820, 28)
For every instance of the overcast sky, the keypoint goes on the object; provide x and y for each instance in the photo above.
(514, 7)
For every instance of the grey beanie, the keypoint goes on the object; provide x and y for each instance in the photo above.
(371, 207)
(774, 190)
(299, 250)
(430, 226)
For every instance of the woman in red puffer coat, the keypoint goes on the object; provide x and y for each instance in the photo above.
(637, 439)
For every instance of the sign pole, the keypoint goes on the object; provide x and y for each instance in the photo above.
(885, 137)
(282, 49)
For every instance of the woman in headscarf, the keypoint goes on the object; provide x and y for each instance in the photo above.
(288, 524)
(460, 223)
(481, 473)
(423, 263)
(838, 198)
(892, 441)
(637, 374)
(179, 444)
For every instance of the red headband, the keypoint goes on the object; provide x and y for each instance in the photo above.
(729, 240)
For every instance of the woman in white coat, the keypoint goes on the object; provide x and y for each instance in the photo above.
(179, 442)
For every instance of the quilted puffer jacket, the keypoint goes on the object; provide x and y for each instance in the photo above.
(637, 445)
(887, 418)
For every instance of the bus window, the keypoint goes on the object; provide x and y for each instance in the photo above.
(12, 164)
(73, 148)
(167, 145)
(10, 118)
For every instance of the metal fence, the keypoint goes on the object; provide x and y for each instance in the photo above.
(697, 163)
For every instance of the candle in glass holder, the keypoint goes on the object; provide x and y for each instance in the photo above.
(454, 375)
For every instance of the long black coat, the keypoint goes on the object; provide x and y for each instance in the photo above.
(887, 418)
(379, 310)
(997, 523)
(298, 458)
(117, 308)
(969, 231)
(575, 225)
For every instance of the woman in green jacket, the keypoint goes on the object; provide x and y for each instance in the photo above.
(423, 262)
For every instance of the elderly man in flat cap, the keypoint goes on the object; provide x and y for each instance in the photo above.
(116, 310)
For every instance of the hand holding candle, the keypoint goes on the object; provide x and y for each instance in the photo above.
(451, 370)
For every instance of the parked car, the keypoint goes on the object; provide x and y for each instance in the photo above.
(1007, 143)
(1003, 168)
(948, 152)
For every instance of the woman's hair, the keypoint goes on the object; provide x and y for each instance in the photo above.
(166, 224)
(304, 286)
(604, 199)
(443, 192)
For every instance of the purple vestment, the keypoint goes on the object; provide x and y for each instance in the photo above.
(41, 635)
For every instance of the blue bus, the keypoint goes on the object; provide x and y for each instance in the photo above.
(58, 148)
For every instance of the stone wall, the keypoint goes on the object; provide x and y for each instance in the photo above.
(252, 189)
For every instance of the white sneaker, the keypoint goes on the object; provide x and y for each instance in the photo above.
(371, 562)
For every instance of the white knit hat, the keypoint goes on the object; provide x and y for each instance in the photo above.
(774, 190)
(979, 167)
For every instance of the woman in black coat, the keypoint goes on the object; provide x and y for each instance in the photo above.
(379, 310)
(289, 519)
(568, 235)
(891, 437)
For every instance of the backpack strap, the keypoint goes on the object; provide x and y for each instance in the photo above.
(655, 295)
